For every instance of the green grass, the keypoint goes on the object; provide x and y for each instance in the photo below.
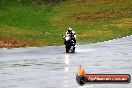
(43, 24)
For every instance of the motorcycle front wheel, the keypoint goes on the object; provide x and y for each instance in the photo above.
(67, 49)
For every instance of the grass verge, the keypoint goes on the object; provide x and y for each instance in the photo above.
(32, 24)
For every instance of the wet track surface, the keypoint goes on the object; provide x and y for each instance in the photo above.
(51, 67)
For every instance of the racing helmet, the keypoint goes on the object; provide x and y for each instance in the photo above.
(69, 30)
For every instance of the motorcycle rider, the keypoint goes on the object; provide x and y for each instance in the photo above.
(72, 34)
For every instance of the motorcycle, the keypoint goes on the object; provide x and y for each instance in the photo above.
(69, 43)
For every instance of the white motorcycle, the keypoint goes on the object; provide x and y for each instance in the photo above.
(69, 43)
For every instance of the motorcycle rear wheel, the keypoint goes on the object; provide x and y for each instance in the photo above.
(73, 51)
